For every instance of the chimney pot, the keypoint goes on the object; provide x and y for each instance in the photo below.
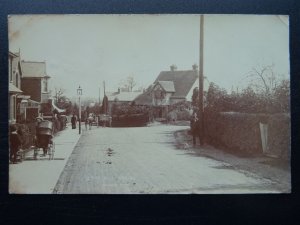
(195, 67)
(173, 67)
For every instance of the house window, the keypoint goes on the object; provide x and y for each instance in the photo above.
(17, 79)
(10, 70)
(159, 94)
(45, 85)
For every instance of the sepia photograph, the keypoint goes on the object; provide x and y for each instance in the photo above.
(149, 104)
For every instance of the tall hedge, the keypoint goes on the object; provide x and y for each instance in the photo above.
(240, 132)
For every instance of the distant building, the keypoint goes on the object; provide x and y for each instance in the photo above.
(122, 96)
(170, 87)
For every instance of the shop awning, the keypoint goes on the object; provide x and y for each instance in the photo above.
(57, 109)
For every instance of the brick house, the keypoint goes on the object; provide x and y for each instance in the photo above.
(14, 87)
(35, 81)
(35, 86)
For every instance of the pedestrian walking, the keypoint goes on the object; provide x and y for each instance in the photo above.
(15, 143)
(73, 121)
(90, 121)
(97, 120)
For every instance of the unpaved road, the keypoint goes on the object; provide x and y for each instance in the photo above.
(147, 160)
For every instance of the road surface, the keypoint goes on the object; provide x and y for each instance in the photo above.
(146, 160)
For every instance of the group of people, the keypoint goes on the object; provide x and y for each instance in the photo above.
(88, 122)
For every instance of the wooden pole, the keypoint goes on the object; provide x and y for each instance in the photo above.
(104, 105)
(99, 96)
(201, 76)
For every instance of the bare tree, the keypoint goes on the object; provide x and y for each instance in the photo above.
(129, 83)
(263, 79)
(59, 95)
(271, 89)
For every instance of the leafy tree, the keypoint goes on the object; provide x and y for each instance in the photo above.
(216, 98)
(75, 109)
(105, 105)
(264, 94)
(282, 96)
(195, 97)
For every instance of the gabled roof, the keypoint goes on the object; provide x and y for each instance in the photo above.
(183, 80)
(33, 69)
(144, 98)
(168, 86)
(13, 54)
(13, 89)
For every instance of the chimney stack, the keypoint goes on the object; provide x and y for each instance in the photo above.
(173, 67)
(195, 67)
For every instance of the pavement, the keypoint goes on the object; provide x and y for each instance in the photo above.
(40, 176)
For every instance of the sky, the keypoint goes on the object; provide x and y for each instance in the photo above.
(86, 50)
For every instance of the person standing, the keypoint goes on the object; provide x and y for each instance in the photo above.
(86, 123)
(195, 129)
(15, 143)
(73, 121)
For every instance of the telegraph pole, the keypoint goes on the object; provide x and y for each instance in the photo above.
(99, 97)
(201, 79)
(104, 105)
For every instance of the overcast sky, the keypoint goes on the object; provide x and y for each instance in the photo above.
(89, 49)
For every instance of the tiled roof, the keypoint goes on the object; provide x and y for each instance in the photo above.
(33, 69)
(124, 96)
(144, 98)
(183, 80)
(168, 86)
(13, 54)
(13, 89)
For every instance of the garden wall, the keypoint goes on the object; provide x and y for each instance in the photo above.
(131, 120)
(240, 132)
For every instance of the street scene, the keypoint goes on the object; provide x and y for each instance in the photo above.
(100, 104)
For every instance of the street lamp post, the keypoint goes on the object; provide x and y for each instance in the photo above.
(79, 93)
